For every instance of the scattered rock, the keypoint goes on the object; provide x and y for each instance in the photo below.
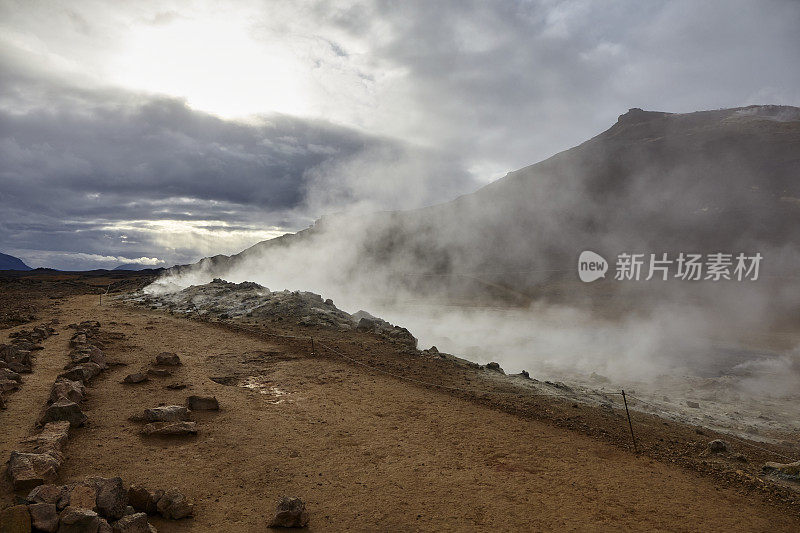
(83, 372)
(64, 409)
(54, 494)
(176, 386)
(133, 523)
(73, 391)
(788, 471)
(44, 517)
(112, 498)
(143, 500)
(138, 377)
(717, 446)
(77, 520)
(693, 405)
(168, 359)
(174, 505)
(169, 413)
(170, 428)
(51, 439)
(291, 512)
(28, 470)
(15, 519)
(202, 403)
(83, 496)
(525, 374)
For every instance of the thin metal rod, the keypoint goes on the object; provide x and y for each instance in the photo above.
(630, 425)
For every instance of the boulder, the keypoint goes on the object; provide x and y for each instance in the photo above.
(112, 498)
(73, 391)
(138, 377)
(495, 367)
(83, 372)
(77, 520)
(169, 429)
(787, 471)
(44, 517)
(132, 523)
(28, 470)
(84, 496)
(169, 413)
(174, 505)
(144, 500)
(693, 405)
(79, 339)
(202, 403)
(168, 359)
(291, 512)
(51, 439)
(15, 519)
(57, 495)
(717, 446)
(64, 409)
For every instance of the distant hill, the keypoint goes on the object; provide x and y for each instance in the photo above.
(9, 262)
(133, 266)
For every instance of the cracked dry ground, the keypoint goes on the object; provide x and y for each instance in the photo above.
(365, 450)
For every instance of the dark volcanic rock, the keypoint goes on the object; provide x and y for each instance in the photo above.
(174, 505)
(138, 377)
(168, 359)
(28, 470)
(202, 403)
(144, 500)
(291, 512)
(44, 517)
(78, 520)
(64, 409)
(67, 389)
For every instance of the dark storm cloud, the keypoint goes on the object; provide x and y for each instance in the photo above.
(83, 167)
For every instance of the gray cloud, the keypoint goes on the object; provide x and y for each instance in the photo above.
(407, 104)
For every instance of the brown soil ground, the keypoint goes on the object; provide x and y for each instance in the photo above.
(369, 451)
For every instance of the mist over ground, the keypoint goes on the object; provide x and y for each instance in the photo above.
(492, 276)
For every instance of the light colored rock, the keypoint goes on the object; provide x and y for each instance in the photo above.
(174, 505)
(52, 437)
(28, 470)
(169, 413)
(133, 523)
(291, 512)
(168, 429)
(787, 471)
(73, 391)
(77, 520)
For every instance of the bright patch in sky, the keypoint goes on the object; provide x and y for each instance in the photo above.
(216, 65)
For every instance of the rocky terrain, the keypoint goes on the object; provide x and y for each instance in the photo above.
(183, 413)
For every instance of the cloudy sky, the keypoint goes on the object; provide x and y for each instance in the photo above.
(159, 132)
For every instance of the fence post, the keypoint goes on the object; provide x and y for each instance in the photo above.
(312, 347)
(630, 425)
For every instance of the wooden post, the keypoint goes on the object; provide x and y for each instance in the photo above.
(630, 425)
(312, 346)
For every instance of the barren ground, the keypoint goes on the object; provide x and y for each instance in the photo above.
(369, 451)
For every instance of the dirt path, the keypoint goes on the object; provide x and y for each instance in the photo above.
(366, 451)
